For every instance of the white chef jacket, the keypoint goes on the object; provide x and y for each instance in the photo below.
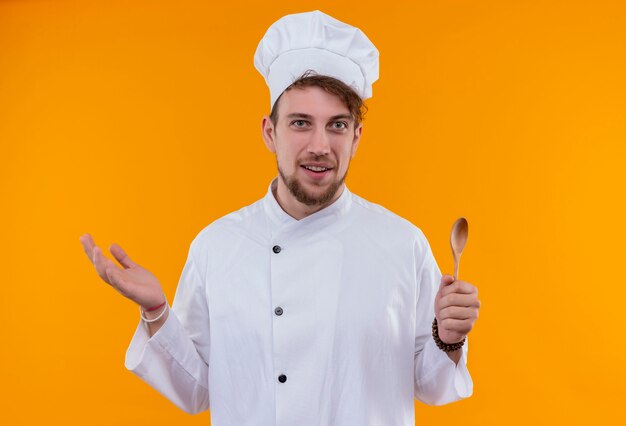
(320, 321)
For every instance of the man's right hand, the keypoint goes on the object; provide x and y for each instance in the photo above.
(133, 281)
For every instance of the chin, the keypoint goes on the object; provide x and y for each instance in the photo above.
(315, 195)
(311, 193)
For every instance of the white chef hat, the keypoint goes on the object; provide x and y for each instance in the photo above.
(315, 41)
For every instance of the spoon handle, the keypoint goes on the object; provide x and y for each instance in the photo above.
(456, 269)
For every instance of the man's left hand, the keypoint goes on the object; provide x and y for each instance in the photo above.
(456, 309)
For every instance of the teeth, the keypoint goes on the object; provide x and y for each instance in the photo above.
(316, 169)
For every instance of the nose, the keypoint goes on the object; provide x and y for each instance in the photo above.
(319, 144)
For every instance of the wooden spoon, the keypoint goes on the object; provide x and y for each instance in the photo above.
(458, 238)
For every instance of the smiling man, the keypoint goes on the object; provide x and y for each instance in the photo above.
(314, 138)
(311, 306)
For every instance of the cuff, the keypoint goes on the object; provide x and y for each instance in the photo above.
(138, 358)
(463, 384)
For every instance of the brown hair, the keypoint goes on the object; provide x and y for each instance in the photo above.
(331, 85)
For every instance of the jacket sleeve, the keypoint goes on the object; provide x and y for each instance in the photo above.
(174, 360)
(438, 380)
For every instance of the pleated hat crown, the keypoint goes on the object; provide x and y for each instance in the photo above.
(315, 41)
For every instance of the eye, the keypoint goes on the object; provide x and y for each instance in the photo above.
(298, 123)
(339, 125)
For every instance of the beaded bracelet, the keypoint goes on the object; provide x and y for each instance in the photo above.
(446, 347)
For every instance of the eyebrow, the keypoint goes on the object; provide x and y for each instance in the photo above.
(310, 117)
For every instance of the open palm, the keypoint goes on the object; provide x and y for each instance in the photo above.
(132, 281)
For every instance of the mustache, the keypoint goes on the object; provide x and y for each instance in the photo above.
(317, 161)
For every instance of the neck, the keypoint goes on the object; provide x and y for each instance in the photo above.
(295, 208)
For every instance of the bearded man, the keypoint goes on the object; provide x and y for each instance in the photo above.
(312, 306)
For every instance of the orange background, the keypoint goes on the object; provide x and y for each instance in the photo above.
(139, 122)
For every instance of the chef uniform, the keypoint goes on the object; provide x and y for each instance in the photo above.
(320, 321)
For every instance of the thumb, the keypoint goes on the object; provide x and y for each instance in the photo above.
(121, 256)
(445, 280)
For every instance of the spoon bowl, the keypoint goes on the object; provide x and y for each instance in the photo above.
(458, 238)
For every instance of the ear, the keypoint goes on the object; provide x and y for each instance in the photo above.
(268, 132)
(356, 140)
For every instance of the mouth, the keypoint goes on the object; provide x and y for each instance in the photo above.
(316, 171)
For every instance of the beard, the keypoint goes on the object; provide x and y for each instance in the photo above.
(296, 189)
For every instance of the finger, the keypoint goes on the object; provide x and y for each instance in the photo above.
(456, 325)
(98, 261)
(459, 287)
(457, 299)
(88, 245)
(457, 313)
(102, 263)
(121, 256)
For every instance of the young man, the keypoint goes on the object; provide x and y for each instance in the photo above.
(311, 306)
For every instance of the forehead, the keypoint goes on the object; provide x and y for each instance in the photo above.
(313, 101)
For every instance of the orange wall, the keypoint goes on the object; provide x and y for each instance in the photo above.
(139, 122)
